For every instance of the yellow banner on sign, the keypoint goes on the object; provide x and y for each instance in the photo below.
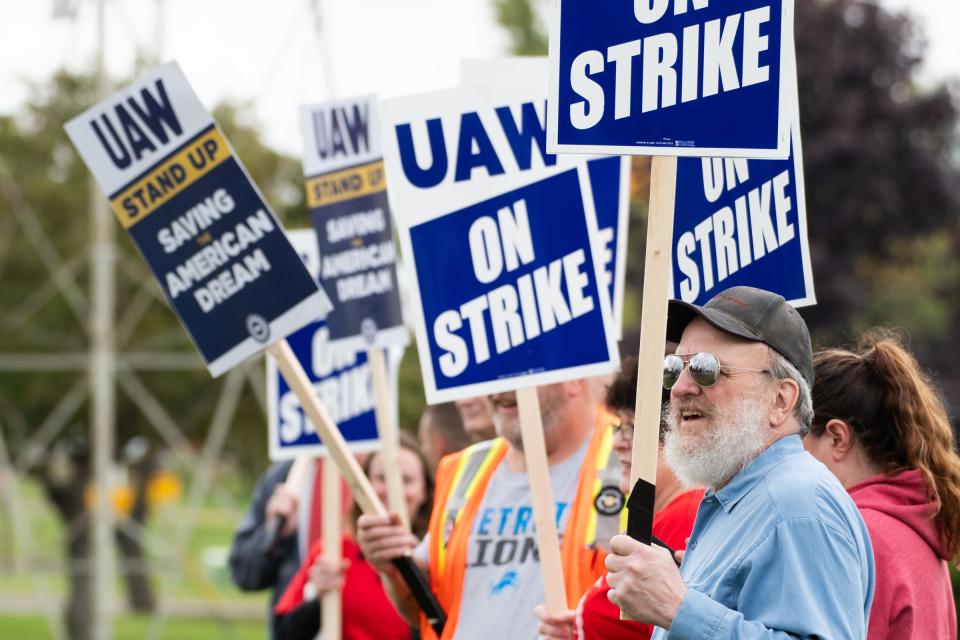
(346, 184)
(170, 177)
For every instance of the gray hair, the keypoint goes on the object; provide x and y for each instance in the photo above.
(781, 368)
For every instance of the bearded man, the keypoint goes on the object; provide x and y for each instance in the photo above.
(480, 550)
(778, 549)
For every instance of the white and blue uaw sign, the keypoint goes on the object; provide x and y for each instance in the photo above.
(347, 197)
(340, 376)
(500, 235)
(671, 77)
(197, 218)
(609, 176)
(741, 222)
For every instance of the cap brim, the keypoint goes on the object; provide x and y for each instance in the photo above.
(680, 314)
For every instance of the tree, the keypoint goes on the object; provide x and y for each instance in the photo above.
(880, 173)
(44, 220)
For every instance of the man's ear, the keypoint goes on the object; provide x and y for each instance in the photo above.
(839, 435)
(788, 395)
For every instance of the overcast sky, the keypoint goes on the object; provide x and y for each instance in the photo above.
(268, 52)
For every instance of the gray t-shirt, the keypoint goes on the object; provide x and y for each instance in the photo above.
(503, 583)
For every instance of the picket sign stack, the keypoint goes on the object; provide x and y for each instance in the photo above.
(510, 194)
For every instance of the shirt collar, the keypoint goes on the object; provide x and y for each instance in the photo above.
(744, 481)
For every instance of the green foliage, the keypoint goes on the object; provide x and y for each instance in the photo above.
(43, 180)
(522, 20)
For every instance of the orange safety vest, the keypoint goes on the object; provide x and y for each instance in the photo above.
(461, 483)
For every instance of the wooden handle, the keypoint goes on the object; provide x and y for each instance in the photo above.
(331, 437)
(653, 329)
(389, 435)
(544, 511)
(332, 516)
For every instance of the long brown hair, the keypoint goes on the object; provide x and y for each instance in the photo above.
(420, 520)
(896, 415)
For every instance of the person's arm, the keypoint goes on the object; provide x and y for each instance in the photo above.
(383, 538)
(804, 580)
(250, 568)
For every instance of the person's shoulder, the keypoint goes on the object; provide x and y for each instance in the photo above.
(803, 488)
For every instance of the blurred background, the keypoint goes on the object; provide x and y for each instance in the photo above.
(879, 97)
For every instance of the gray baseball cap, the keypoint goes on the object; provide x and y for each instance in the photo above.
(753, 314)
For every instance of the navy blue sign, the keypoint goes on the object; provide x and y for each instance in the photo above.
(347, 196)
(508, 288)
(218, 252)
(741, 222)
(670, 77)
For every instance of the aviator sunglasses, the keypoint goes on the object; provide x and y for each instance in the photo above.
(704, 369)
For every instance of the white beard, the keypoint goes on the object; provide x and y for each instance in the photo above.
(712, 456)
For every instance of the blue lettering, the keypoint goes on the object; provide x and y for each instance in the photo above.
(435, 172)
(523, 140)
(504, 516)
(484, 522)
(119, 154)
(561, 507)
(138, 140)
(472, 132)
(523, 520)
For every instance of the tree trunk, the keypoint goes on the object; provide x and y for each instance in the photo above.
(136, 570)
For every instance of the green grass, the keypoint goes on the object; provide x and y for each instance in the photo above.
(22, 627)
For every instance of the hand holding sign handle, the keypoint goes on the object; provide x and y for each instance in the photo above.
(293, 483)
(653, 328)
(544, 516)
(363, 492)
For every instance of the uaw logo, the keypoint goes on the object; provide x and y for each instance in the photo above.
(258, 327)
(609, 501)
(368, 328)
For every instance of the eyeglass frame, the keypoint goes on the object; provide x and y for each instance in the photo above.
(721, 368)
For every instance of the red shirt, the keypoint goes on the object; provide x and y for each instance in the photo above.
(367, 612)
(597, 617)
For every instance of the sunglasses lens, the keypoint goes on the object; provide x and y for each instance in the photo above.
(704, 369)
(672, 368)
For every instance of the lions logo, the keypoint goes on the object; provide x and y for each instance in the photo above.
(609, 501)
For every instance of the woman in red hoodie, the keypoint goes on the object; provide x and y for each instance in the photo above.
(881, 428)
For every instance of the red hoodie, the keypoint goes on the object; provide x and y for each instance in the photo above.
(913, 598)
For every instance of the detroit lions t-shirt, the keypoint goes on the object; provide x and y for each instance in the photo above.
(503, 582)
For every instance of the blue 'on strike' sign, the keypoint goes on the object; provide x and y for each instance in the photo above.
(671, 77)
(741, 222)
(508, 287)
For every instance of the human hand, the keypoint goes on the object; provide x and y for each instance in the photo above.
(383, 538)
(555, 627)
(283, 503)
(644, 581)
(327, 575)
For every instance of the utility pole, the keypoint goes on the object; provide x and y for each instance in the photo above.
(102, 379)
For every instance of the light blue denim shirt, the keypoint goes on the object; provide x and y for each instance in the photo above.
(779, 552)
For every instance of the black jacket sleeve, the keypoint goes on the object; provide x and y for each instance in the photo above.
(251, 568)
(303, 623)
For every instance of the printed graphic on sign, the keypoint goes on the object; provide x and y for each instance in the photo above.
(500, 237)
(671, 77)
(347, 197)
(609, 175)
(340, 376)
(217, 250)
(741, 222)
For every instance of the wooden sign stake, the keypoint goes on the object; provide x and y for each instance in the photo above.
(389, 435)
(544, 511)
(332, 516)
(653, 329)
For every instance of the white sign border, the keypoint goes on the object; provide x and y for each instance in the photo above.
(781, 152)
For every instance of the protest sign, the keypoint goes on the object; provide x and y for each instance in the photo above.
(671, 77)
(742, 222)
(609, 176)
(218, 252)
(499, 235)
(216, 249)
(341, 378)
(347, 198)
